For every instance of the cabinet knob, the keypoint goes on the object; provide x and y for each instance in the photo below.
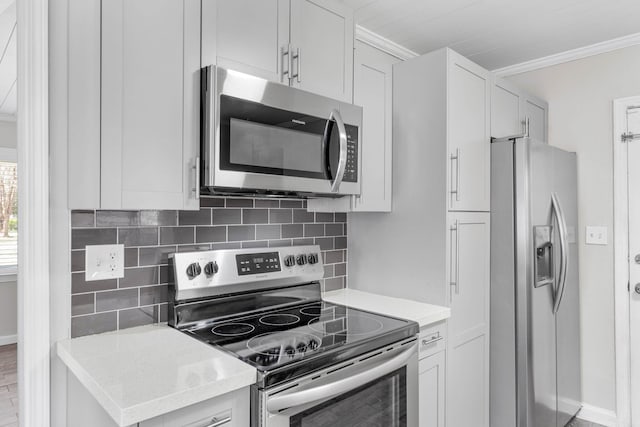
(637, 288)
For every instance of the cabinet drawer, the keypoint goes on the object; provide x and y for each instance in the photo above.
(432, 339)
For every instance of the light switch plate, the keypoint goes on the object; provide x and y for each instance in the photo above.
(104, 262)
(596, 235)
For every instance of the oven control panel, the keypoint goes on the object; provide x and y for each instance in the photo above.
(202, 273)
(265, 262)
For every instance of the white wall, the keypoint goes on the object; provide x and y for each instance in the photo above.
(580, 95)
(8, 290)
(8, 134)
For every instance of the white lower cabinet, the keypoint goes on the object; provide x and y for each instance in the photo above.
(228, 410)
(468, 340)
(431, 380)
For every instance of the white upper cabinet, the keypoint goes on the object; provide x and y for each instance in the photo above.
(303, 43)
(372, 90)
(248, 36)
(468, 134)
(140, 97)
(322, 34)
(512, 108)
(150, 103)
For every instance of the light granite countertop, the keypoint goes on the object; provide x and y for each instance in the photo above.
(423, 314)
(140, 373)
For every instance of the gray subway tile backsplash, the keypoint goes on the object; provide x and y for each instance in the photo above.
(81, 237)
(143, 236)
(138, 316)
(177, 235)
(140, 276)
(116, 300)
(94, 324)
(141, 296)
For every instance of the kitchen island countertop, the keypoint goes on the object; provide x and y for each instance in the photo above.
(139, 373)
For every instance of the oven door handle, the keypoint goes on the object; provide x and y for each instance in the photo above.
(333, 389)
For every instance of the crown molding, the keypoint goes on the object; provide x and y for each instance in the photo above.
(383, 44)
(570, 55)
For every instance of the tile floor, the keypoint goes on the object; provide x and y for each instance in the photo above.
(8, 386)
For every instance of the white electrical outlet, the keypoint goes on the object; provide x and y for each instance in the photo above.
(596, 235)
(104, 262)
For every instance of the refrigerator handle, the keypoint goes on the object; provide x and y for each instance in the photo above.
(564, 254)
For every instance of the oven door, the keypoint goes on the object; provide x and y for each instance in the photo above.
(378, 389)
(274, 138)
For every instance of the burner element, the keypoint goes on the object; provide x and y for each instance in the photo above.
(311, 310)
(233, 329)
(281, 319)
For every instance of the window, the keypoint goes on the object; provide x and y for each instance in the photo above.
(8, 214)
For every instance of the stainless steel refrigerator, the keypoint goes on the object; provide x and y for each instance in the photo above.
(535, 341)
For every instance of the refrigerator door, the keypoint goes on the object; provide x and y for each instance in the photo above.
(535, 165)
(568, 314)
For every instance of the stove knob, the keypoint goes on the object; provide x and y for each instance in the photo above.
(301, 347)
(193, 270)
(301, 259)
(290, 351)
(312, 258)
(211, 268)
(313, 344)
(290, 261)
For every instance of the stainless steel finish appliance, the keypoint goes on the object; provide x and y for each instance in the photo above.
(264, 137)
(318, 363)
(535, 341)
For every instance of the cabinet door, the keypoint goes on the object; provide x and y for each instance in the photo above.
(506, 109)
(431, 390)
(372, 90)
(469, 138)
(150, 103)
(322, 44)
(468, 349)
(536, 110)
(247, 35)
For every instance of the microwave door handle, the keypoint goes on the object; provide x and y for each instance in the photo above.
(342, 162)
(336, 388)
(326, 150)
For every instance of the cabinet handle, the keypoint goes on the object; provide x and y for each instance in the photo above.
(525, 126)
(296, 56)
(456, 157)
(196, 179)
(217, 422)
(455, 229)
(285, 61)
(434, 338)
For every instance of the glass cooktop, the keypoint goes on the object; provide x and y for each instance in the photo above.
(273, 339)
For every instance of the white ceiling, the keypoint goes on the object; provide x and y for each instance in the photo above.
(8, 58)
(498, 33)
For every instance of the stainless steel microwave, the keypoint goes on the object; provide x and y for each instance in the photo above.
(261, 137)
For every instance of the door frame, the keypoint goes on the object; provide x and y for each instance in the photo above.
(621, 263)
(34, 345)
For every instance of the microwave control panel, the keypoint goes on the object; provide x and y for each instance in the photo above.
(351, 172)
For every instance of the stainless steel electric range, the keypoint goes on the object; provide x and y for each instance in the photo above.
(319, 364)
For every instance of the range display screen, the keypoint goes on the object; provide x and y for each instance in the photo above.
(258, 263)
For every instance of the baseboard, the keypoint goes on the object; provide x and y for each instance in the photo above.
(8, 339)
(598, 415)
